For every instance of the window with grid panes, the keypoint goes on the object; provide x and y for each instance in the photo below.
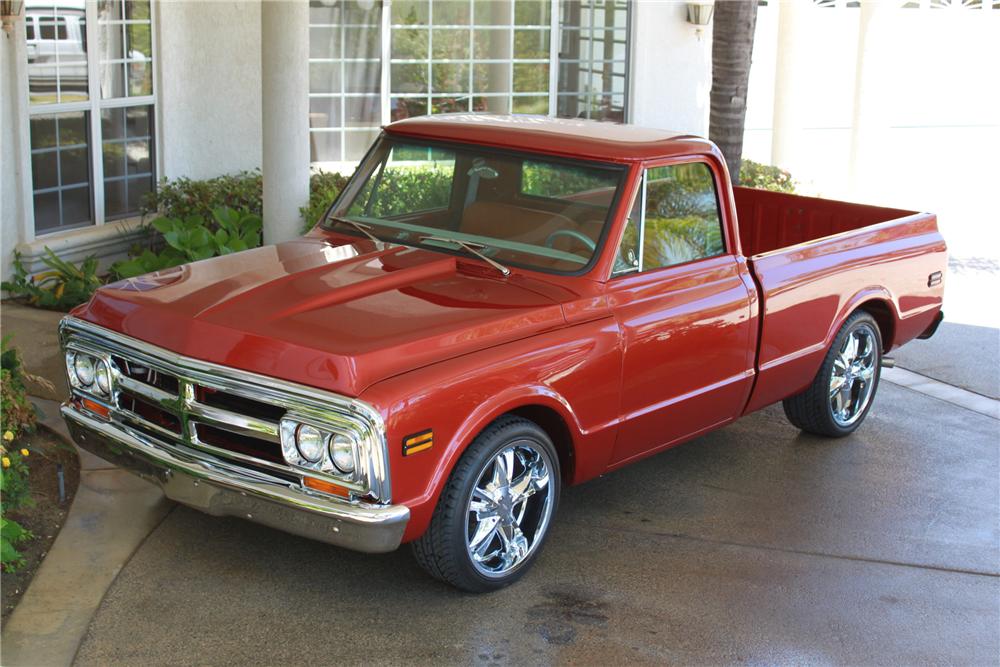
(91, 107)
(373, 63)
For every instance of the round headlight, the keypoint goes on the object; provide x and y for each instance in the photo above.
(103, 378)
(83, 366)
(309, 441)
(342, 453)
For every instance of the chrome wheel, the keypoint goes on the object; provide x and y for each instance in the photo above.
(509, 508)
(852, 380)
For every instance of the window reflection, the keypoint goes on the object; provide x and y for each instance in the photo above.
(56, 44)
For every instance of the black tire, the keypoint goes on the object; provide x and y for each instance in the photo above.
(812, 410)
(442, 550)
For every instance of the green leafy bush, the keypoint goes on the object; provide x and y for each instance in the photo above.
(18, 417)
(323, 189)
(191, 239)
(11, 534)
(408, 189)
(63, 287)
(765, 177)
(547, 180)
(16, 412)
(182, 198)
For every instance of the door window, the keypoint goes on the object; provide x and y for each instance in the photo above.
(678, 214)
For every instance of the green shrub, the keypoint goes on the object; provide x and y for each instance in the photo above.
(18, 418)
(63, 287)
(182, 198)
(11, 534)
(765, 177)
(324, 187)
(191, 239)
(417, 189)
(16, 413)
(547, 180)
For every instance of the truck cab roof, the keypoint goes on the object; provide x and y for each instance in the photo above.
(575, 137)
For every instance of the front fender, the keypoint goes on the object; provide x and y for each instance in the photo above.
(575, 373)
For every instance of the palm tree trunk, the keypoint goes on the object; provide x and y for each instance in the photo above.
(732, 46)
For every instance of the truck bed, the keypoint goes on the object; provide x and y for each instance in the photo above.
(817, 260)
(773, 220)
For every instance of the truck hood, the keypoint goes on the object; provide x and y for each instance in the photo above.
(328, 313)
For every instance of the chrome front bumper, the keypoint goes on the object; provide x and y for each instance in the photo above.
(222, 489)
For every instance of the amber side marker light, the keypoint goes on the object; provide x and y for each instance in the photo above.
(326, 487)
(418, 442)
(96, 408)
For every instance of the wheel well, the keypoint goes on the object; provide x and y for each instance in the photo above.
(883, 314)
(555, 426)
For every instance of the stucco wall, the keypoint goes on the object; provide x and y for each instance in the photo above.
(671, 68)
(209, 97)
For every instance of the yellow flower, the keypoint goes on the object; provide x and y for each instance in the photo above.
(24, 452)
(6, 462)
(8, 435)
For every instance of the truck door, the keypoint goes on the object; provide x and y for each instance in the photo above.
(685, 302)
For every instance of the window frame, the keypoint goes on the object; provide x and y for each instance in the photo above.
(728, 246)
(93, 106)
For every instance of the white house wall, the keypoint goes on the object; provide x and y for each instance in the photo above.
(926, 131)
(209, 101)
(671, 68)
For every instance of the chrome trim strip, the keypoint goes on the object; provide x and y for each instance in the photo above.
(339, 412)
(230, 454)
(215, 487)
(143, 390)
(236, 423)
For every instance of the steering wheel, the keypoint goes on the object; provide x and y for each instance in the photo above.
(572, 233)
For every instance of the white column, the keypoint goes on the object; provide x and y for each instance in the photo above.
(869, 118)
(16, 200)
(787, 124)
(284, 115)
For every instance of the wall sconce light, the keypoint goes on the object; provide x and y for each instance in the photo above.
(700, 13)
(10, 11)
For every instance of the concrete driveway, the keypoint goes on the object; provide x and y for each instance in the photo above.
(754, 544)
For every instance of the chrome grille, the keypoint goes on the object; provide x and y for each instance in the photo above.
(221, 411)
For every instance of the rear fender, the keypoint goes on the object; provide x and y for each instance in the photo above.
(868, 295)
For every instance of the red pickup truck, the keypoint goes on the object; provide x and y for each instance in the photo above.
(494, 307)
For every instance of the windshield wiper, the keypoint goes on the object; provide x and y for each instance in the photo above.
(359, 226)
(470, 247)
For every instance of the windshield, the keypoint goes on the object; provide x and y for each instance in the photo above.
(517, 209)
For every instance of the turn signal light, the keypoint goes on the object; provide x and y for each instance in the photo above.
(96, 408)
(418, 442)
(326, 487)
